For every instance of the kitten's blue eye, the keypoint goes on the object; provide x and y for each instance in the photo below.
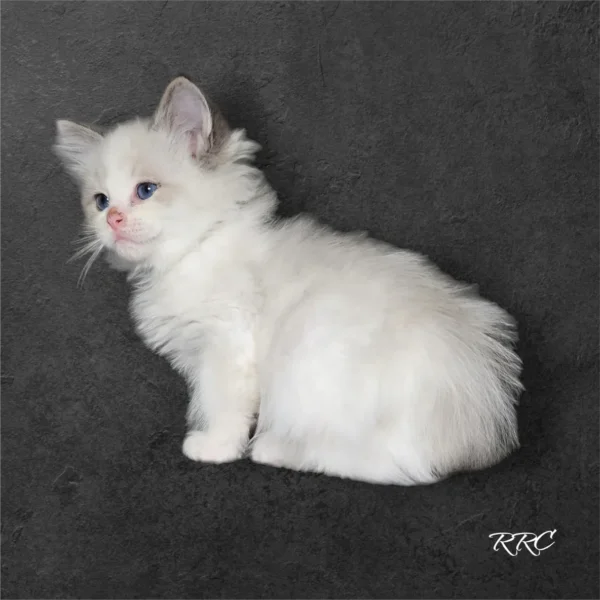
(101, 201)
(145, 190)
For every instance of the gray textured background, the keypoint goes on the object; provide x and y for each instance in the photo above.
(468, 131)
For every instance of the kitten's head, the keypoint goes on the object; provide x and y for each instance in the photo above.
(149, 187)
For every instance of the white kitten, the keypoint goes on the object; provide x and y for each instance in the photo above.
(361, 360)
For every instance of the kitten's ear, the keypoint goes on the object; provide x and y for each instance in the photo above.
(74, 144)
(185, 113)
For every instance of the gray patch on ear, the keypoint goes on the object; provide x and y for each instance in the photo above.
(74, 145)
(220, 130)
(188, 114)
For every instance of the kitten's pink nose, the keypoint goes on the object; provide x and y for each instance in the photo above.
(115, 218)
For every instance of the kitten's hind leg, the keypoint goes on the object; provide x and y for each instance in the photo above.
(269, 449)
(357, 460)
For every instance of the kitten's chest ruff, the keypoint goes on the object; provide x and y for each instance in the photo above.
(172, 319)
(176, 316)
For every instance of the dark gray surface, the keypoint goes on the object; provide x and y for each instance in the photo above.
(466, 131)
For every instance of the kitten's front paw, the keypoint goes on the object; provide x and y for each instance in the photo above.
(204, 446)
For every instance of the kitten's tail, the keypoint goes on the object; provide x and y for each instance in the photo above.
(474, 386)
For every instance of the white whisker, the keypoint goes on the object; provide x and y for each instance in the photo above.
(84, 239)
(89, 264)
(89, 247)
(90, 244)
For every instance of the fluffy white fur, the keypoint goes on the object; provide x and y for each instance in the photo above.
(361, 360)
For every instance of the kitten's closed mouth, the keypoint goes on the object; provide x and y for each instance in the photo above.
(120, 239)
